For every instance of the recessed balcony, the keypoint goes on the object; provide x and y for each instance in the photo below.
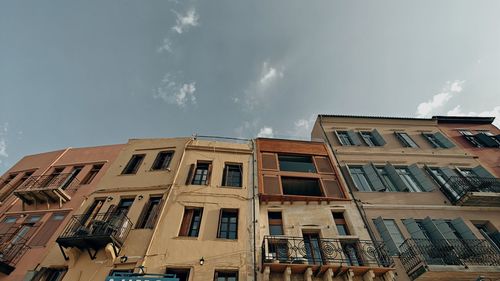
(473, 191)
(47, 188)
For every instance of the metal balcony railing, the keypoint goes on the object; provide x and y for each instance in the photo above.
(63, 181)
(10, 254)
(418, 253)
(325, 251)
(456, 188)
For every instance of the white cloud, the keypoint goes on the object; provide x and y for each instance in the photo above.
(3, 141)
(183, 22)
(302, 127)
(495, 112)
(269, 74)
(172, 92)
(425, 109)
(166, 46)
(265, 132)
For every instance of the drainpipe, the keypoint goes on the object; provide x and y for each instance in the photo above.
(254, 219)
(356, 202)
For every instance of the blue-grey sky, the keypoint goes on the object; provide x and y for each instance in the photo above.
(84, 73)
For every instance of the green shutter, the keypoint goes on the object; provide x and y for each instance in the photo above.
(482, 172)
(495, 236)
(413, 229)
(386, 236)
(354, 137)
(422, 179)
(372, 175)
(486, 140)
(463, 229)
(448, 173)
(443, 141)
(378, 138)
(432, 229)
(445, 229)
(393, 175)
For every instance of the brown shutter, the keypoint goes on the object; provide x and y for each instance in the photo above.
(332, 188)
(186, 222)
(269, 161)
(271, 184)
(323, 165)
(189, 178)
(209, 173)
(4, 227)
(48, 229)
(155, 211)
(140, 222)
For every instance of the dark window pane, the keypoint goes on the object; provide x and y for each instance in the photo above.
(162, 160)
(133, 164)
(301, 186)
(296, 163)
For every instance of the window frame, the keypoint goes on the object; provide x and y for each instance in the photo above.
(92, 173)
(147, 213)
(221, 216)
(275, 222)
(207, 176)
(368, 138)
(405, 139)
(166, 161)
(351, 173)
(127, 170)
(186, 229)
(227, 170)
(345, 137)
(226, 278)
(341, 222)
(408, 177)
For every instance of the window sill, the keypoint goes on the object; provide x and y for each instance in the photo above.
(186, 237)
(231, 187)
(226, 240)
(161, 170)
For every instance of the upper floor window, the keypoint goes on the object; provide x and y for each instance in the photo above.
(406, 140)
(301, 186)
(409, 179)
(275, 223)
(201, 173)
(296, 163)
(9, 179)
(360, 179)
(438, 140)
(91, 174)
(390, 233)
(232, 175)
(468, 135)
(341, 223)
(150, 212)
(386, 179)
(226, 276)
(368, 138)
(344, 138)
(191, 222)
(162, 160)
(228, 224)
(133, 164)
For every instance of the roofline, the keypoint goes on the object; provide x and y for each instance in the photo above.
(375, 117)
(464, 119)
(290, 140)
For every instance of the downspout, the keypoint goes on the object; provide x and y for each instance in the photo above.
(356, 202)
(254, 220)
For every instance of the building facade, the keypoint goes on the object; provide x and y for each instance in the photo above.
(412, 182)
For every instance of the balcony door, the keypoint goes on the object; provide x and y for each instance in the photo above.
(92, 211)
(312, 246)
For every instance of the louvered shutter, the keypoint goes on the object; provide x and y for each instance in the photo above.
(323, 165)
(140, 222)
(395, 178)
(386, 236)
(269, 161)
(209, 174)
(354, 137)
(413, 228)
(372, 175)
(420, 176)
(48, 229)
(332, 188)
(462, 228)
(271, 184)
(486, 140)
(155, 213)
(482, 172)
(378, 138)
(445, 229)
(190, 175)
(443, 141)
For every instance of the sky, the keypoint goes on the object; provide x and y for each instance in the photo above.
(93, 72)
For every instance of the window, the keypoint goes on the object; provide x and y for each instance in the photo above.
(296, 163)
(390, 233)
(162, 160)
(368, 138)
(71, 177)
(133, 164)
(9, 179)
(341, 224)
(351, 252)
(432, 140)
(201, 173)
(470, 137)
(52, 178)
(439, 176)
(149, 213)
(344, 138)
(182, 274)
(232, 175)
(408, 179)
(120, 272)
(228, 224)
(275, 223)
(91, 174)
(489, 233)
(50, 274)
(226, 276)
(301, 186)
(50, 226)
(360, 179)
(438, 140)
(10, 220)
(386, 180)
(191, 222)
(394, 232)
(406, 140)
(124, 206)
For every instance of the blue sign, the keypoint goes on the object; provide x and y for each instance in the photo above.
(141, 277)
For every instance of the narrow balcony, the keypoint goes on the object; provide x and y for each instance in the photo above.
(425, 259)
(85, 232)
(473, 191)
(47, 188)
(10, 254)
(322, 254)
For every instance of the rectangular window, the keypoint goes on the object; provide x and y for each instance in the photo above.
(91, 174)
(275, 223)
(191, 222)
(470, 137)
(301, 186)
(296, 163)
(406, 140)
(368, 138)
(124, 206)
(10, 220)
(228, 224)
(149, 213)
(50, 274)
(9, 179)
(226, 276)
(386, 179)
(120, 272)
(341, 224)
(431, 138)
(133, 164)
(344, 138)
(352, 253)
(409, 180)
(162, 160)
(71, 177)
(201, 174)
(182, 274)
(360, 179)
(232, 175)
(394, 232)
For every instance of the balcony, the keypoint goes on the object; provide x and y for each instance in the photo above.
(424, 259)
(473, 191)
(84, 232)
(10, 254)
(322, 254)
(47, 188)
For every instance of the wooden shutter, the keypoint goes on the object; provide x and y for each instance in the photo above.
(190, 175)
(269, 161)
(422, 179)
(462, 228)
(48, 229)
(271, 184)
(482, 172)
(413, 229)
(443, 141)
(445, 229)
(379, 140)
(332, 188)
(141, 221)
(209, 174)
(394, 176)
(354, 137)
(186, 222)
(323, 164)
(486, 140)
(4, 227)
(386, 236)
(373, 177)
(153, 216)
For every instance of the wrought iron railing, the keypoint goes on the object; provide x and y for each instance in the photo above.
(456, 188)
(415, 253)
(106, 225)
(64, 181)
(323, 251)
(12, 251)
